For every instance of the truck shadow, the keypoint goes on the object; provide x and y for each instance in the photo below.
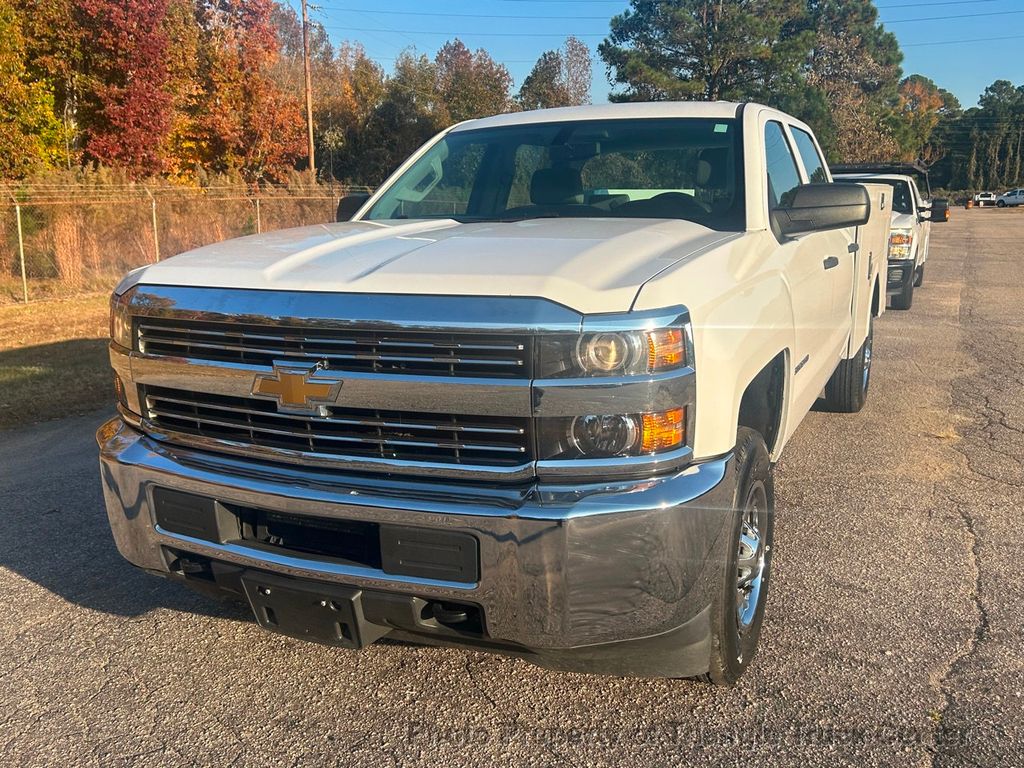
(54, 530)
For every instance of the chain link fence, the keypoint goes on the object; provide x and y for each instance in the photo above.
(60, 241)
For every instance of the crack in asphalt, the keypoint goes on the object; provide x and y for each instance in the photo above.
(945, 735)
(965, 392)
(512, 718)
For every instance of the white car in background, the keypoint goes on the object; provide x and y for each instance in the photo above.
(1010, 199)
(985, 198)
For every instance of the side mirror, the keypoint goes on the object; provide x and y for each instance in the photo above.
(819, 207)
(940, 210)
(924, 215)
(349, 204)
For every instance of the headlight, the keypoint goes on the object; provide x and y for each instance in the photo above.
(608, 352)
(601, 436)
(612, 353)
(899, 243)
(121, 320)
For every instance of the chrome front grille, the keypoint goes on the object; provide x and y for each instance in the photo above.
(342, 432)
(343, 349)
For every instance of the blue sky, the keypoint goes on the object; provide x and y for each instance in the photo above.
(982, 41)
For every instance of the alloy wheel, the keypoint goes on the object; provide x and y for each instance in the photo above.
(750, 560)
(868, 342)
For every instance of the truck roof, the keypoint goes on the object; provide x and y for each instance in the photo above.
(875, 176)
(647, 109)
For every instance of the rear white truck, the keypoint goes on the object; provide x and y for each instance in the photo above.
(527, 400)
(912, 217)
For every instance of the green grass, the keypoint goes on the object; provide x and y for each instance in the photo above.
(53, 360)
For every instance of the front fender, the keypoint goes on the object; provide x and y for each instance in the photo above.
(741, 307)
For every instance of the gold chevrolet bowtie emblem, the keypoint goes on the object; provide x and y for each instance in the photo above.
(295, 389)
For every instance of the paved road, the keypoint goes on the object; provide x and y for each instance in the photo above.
(894, 637)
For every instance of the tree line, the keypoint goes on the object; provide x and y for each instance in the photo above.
(189, 89)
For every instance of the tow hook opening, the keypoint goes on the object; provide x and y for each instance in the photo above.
(460, 617)
(191, 566)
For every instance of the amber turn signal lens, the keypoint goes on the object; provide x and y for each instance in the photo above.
(665, 349)
(660, 431)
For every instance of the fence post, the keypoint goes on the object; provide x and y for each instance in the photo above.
(156, 237)
(21, 252)
(259, 223)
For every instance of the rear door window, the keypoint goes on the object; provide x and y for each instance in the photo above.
(813, 163)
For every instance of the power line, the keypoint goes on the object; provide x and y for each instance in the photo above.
(918, 5)
(626, 2)
(965, 40)
(957, 16)
(467, 15)
(444, 14)
(500, 61)
(452, 33)
(488, 34)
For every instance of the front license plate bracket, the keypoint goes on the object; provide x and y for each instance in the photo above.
(323, 613)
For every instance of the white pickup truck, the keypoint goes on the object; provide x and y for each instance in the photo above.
(527, 400)
(912, 216)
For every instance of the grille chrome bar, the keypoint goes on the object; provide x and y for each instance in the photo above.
(477, 440)
(304, 336)
(438, 354)
(447, 427)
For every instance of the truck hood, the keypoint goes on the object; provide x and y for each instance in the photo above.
(904, 221)
(590, 265)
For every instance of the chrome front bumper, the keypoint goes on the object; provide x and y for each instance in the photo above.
(561, 568)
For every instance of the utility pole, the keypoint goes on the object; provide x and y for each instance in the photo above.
(309, 89)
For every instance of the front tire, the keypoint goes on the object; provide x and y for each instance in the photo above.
(847, 390)
(737, 610)
(1000, 204)
(919, 276)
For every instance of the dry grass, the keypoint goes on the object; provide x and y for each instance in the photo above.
(53, 359)
(73, 243)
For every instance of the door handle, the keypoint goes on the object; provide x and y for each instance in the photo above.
(830, 262)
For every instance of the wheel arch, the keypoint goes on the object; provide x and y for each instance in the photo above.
(763, 403)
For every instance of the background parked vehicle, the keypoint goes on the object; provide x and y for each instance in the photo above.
(1011, 199)
(981, 199)
(912, 215)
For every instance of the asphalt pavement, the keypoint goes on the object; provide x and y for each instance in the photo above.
(894, 633)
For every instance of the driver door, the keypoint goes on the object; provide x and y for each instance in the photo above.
(813, 266)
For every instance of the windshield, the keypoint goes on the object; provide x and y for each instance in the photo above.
(902, 195)
(649, 168)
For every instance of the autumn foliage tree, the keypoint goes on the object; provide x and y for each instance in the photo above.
(560, 78)
(126, 103)
(189, 89)
(175, 87)
(471, 84)
(30, 132)
(242, 122)
(922, 106)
